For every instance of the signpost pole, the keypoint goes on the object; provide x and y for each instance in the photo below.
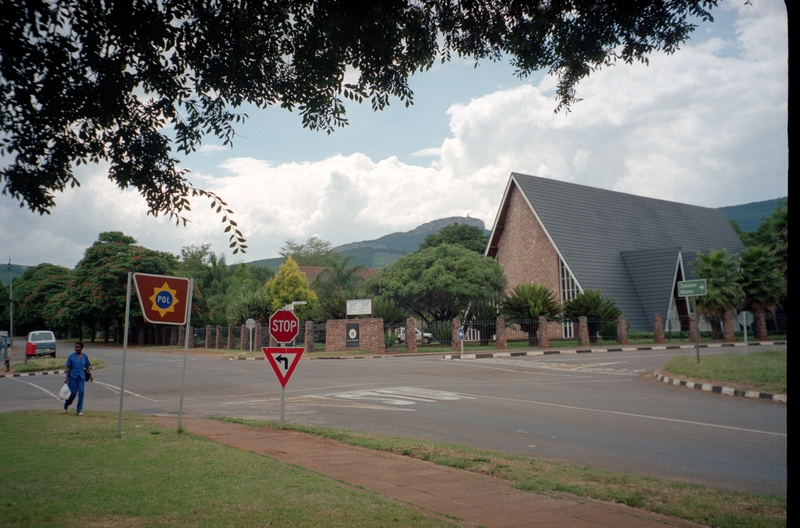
(124, 354)
(696, 329)
(186, 348)
(745, 340)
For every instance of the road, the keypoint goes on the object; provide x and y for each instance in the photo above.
(599, 410)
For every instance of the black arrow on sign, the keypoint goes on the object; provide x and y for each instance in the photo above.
(285, 361)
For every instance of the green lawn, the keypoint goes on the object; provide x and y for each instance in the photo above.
(763, 371)
(60, 470)
(40, 364)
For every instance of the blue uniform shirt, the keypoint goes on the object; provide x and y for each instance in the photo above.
(77, 365)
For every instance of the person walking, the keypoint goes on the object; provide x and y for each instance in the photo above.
(78, 374)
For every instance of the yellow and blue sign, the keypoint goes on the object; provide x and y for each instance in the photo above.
(163, 299)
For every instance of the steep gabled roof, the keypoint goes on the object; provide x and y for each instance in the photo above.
(591, 229)
(652, 272)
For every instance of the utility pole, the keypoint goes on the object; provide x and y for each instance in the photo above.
(10, 302)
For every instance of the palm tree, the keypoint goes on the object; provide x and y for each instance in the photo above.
(335, 285)
(526, 303)
(724, 289)
(763, 284)
(593, 305)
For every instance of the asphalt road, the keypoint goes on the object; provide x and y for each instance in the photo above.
(599, 410)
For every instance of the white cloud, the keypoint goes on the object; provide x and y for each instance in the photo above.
(706, 125)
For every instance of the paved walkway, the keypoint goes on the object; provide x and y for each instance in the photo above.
(474, 499)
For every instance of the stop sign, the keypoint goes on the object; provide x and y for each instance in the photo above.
(283, 326)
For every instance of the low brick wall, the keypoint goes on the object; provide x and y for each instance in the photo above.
(370, 335)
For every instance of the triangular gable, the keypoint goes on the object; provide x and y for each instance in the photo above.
(652, 272)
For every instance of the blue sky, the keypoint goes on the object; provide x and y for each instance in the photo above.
(706, 126)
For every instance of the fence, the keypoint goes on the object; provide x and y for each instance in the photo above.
(477, 334)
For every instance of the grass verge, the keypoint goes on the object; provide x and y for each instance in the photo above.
(40, 364)
(685, 501)
(67, 471)
(763, 371)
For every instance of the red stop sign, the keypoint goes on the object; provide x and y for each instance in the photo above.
(283, 326)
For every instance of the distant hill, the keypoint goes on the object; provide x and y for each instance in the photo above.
(382, 251)
(16, 271)
(749, 216)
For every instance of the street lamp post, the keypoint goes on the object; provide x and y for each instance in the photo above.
(291, 307)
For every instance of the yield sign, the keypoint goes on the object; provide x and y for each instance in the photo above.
(283, 361)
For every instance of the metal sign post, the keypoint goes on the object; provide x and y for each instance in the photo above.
(251, 323)
(164, 300)
(124, 354)
(186, 348)
(692, 289)
(283, 327)
(745, 319)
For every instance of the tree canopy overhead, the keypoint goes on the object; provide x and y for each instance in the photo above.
(128, 82)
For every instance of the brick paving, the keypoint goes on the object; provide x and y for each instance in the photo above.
(474, 500)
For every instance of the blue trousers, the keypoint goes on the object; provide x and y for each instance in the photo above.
(76, 386)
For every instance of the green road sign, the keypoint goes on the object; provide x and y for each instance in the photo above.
(692, 288)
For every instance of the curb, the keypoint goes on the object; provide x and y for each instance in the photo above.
(26, 374)
(605, 350)
(720, 390)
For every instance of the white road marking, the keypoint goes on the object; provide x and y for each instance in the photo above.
(402, 395)
(115, 389)
(632, 415)
(38, 387)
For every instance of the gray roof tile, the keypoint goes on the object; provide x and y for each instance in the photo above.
(592, 228)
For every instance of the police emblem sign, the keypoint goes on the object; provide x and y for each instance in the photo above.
(163, 299)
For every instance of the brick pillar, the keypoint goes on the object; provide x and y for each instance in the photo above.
(165, 331)
(309, 337)
(207, 344)
(583, 331)
(728, 328)
(411, 330)
(175, 336)
(693, 327)
(257, 338)
(658, 329)
(500, 332)
(454, 341)
(218, 337)
(244, 342)
(231, 338)
(622, 330)
(541, 333)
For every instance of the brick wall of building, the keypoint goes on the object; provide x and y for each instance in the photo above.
(523, 250)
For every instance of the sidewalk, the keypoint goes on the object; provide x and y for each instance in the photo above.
(475, 500)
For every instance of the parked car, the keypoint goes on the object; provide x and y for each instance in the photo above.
(423, 337)
(40, 343)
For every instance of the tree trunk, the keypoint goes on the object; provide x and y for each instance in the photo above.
(760, 324)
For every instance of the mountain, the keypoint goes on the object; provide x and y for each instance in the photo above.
(749, 216)
(382, 251)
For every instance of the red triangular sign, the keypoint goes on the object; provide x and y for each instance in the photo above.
(283, 361)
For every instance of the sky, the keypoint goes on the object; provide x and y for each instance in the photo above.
(706, 125)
